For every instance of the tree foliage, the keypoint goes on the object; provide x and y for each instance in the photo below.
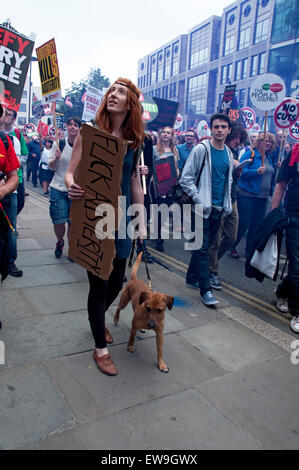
(77, 90)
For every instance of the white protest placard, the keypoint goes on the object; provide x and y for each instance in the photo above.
(179, 121)
(267, 91)
(294, 131)
(202, 129)
(286, 113)
(249, 117)
(93, 99)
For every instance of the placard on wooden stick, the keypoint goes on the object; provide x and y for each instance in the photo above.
(99, 173)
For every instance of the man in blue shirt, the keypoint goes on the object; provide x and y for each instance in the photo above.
(185, 149)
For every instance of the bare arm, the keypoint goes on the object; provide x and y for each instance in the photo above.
(11, 184)
(74, 190)
(278, 194)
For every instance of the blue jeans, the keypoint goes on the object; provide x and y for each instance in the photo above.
(198, 269)
(10, 205)
(289, 288)
(251, 212)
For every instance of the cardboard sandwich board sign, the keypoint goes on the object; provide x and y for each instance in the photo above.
(15, 55)
(49, 72)
(99, 173)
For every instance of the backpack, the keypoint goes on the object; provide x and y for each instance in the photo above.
(4, 139)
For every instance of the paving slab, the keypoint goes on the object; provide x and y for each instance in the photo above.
(32, 339)
(139, 379)
(28, 244)
(31, 406)
(262, 400)
(230, 344)
(40, 258)
(184, 420)
(43, 300)
(39, 276)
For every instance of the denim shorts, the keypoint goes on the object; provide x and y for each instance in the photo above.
(60, 206)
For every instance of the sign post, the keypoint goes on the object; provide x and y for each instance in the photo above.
(265, 93)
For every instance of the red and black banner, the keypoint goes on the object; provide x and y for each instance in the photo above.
(15, 55)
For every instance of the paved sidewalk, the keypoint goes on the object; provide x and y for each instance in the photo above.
(231, 383)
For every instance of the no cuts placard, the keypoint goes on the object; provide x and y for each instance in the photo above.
(15, 55)
(286, 113)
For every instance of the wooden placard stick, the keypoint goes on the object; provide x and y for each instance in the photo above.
(55, 124)
(143, 176)
(265, 130)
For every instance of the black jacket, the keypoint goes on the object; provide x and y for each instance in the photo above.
(275, 222)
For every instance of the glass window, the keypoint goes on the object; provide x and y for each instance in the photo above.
(153, 69)
(23, 108)
(229, 45)
(238, 70)
(165, 92)
(158, 92)
(223, 75)
(261, 32)
(244, 38)
(244, 68)
(172, 90)
(262, 63)
(196, 100)
(254, 64)
(22, 121)
(285, 20)
(199, 49)
(160, 67)
(24, 94)
(242, 98)
(167, 63)
(175, 59)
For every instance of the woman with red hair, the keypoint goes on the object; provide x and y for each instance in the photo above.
(120, 115)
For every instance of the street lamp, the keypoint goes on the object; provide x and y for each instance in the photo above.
(33, 59)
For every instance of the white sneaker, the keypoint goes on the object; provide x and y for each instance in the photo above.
(294, 324)
(282, 304)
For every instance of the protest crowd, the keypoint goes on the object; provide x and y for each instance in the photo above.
(245, 182)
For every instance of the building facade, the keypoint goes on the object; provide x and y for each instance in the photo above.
(252, 37)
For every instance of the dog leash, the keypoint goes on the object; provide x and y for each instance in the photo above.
(145, 260)
(146, 267)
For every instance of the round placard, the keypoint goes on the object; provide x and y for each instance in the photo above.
(294, 131)
(286, 113)
(267, 91)
(249, 117)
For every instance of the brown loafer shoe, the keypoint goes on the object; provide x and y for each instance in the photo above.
(105, 364)
(108, 336)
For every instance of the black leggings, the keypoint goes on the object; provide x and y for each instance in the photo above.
(101, 295)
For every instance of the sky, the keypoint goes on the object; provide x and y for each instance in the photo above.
(112, 35)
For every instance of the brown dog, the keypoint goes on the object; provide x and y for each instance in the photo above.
(149, 311)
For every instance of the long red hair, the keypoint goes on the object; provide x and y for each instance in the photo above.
(132, 126)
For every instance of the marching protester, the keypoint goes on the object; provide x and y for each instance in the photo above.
(34, 153)
(164, 148)
(9, 181)
(287, 292)
(120, 115)
(45, 173)
(60, 203)
(228, 230)
(185, 149)
(215, 161)
(12, 131)
(253, 190)
(10, 205)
